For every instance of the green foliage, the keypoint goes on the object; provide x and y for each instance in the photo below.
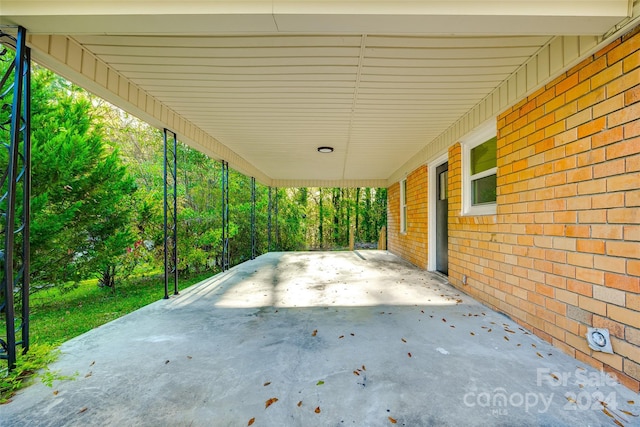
(81, 192)
(35, 362)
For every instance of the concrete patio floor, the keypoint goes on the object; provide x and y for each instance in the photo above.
(338, 338)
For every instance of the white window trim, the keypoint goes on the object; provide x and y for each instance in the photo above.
(403, 206)
(481, 134)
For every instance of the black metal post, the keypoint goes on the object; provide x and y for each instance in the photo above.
(254, 237)
(269, 222)
(225, 216)
(170, 212)
(15, 96)
(277, 231)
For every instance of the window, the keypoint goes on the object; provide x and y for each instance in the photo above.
(479, 166)
(403, 206)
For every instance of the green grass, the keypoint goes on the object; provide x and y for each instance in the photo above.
(57, 317)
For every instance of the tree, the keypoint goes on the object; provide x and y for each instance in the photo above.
(81, 192)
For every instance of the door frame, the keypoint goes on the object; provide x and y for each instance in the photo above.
(431, 243)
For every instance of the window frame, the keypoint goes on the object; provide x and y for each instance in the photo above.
(403, 206)
(477, 137)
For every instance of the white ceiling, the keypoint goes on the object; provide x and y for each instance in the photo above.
(376, 99)
(376, 80)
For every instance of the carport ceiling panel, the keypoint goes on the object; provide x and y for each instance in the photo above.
(273, 98)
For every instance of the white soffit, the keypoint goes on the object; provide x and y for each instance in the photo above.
(378, 81)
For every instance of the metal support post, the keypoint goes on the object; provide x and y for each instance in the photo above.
(277, 231)
(254, 236)
(15, 193)
(269, 222)
(225, 216)
(170, 212)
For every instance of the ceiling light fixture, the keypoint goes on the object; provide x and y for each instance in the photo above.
(325, 149)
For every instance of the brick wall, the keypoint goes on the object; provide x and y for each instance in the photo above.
(411, 245)
(563, 251)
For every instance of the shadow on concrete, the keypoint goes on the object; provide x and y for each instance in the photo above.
(338, 338)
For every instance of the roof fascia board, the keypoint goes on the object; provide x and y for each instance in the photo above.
(443, 17)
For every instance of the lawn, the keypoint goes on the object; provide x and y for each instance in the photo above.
(57, 317)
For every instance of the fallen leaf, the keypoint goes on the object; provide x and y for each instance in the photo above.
(422, 311)
(251, 421)
(166, 361)
(631, 402)
(320, 382)
(472, 333)
(314, 333)
(519, 345)
(570, 399)
(506, 338)
(533, 345)
(189, 357)
(300, 404)
(618, 423)
(607, 413)
(539, 355)
(270, 402)
(629, 413)
(363, 368)
(317, 410)
(403, 340)
(555, 377)
(393, 420)
(489, 330)
(356, 373)
(409, 354)
(452, 326)
(352, 334)
(84, 409)
(444, 320)
(55, 392)
(267, 383)
(89, 374)
(93, 363)
(341, 336)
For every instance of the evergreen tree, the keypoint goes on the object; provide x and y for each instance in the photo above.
(81, 193)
